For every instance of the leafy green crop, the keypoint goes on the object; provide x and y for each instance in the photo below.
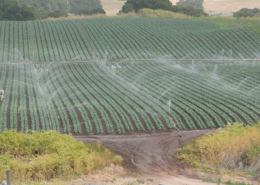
(125, 38)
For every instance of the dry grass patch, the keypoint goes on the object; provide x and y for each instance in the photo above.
(236, 147)
(112, 7)
(48, 155)
(162, 14)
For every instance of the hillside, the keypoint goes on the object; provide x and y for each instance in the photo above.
(126, 75)
(124, 38)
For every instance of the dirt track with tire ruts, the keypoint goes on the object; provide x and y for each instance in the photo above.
(148, 153)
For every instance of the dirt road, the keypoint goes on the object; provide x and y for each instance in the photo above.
(149, 156)
(148, 153)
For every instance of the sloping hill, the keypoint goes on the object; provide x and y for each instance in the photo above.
(80, 76)
(124, 38)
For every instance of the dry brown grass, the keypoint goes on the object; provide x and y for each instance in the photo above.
(226, 148)
(75, 17)
(162, 14)
(226, 6)
(112, 7)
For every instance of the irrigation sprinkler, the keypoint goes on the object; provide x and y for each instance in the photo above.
(8, 177)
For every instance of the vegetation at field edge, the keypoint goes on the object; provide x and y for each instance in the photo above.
(235, 147)
(37, 156)
(252, 23)
(233, 23)
(218, 181)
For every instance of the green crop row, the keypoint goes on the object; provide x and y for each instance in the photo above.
(124, 38)
(125, 97)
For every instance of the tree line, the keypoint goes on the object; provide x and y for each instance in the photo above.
(245, 12)
(69, 6)
(22, 10)
(188, 7)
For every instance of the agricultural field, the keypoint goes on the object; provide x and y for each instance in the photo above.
(127, 75)
(122, 38)
(127, 97)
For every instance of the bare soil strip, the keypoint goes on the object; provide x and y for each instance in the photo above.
(149, 157)
(148, 153)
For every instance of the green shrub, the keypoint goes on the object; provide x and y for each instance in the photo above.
(47, 155)
(188, 10)
(58, 13)
(11, 10)
(226, 148)
(137, 5)
(245, 12)
(197, 4)
(162, 14)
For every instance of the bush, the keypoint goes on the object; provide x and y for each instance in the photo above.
(39, 13)
(45, 155)
(91, 12)
(51, 5)
(197, 4)
(58, 13)
(136, 5)
(231, 147)
(162, 14)
(244, 12)
(10, 10)
(188, 10)
(257, 14)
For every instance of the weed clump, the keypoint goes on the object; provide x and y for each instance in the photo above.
(46, 155)
(234, 147)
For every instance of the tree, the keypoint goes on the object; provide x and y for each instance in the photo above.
(244, 12)
(39, 13)
(135, 5)
(47, 5)
(58, 13)
(188, 10)
(76, 5)
(197, 4)
(73, 6)
(10, 10)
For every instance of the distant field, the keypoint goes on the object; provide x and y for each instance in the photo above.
(112, 7)
(227, 6)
